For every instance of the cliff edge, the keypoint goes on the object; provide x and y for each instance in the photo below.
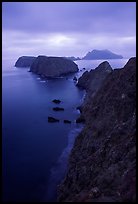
(102, 163)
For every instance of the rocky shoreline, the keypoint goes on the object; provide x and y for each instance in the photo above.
(102, 163)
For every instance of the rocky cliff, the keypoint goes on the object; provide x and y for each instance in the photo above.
(53, 66)
(92, 80)
(24, 61)
(102, 163)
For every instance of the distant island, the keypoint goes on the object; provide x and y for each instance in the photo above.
(48, 66)
(73, 58)
(101, 54)
(97, 55)
(27, 61)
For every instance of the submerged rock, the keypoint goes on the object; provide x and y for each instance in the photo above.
(67, 121)
(58, 109)
(53, 66)
(51, 119)
(25, 61)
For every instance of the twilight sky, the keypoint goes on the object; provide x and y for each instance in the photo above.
(68, 28)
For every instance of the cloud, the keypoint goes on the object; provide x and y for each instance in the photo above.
(68, 28)
(69, 16)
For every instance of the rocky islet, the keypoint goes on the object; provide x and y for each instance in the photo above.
(53, 66)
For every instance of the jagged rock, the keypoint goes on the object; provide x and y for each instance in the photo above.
(51, 119)
(75, 78)
(92, 80)
(83, 80)
(104, 153)
(79, 108)
(25, 61)
(56, 101)
(53, 66)
(80, 120)
(58, 109)
(67, 121)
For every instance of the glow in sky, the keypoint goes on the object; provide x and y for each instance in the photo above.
(68, 28)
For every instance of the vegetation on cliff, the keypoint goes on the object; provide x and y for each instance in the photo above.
(102, 163)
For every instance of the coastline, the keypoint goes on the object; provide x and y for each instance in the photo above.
(59, 170)
(102, 161)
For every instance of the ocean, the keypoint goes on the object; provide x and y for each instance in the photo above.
(35, 152)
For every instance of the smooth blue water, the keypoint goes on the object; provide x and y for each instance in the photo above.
(30, 145)
(92, 64)
(35, 152)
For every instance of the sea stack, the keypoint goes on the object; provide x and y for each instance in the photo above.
(101, 54)
(24, 61)
(53, 66)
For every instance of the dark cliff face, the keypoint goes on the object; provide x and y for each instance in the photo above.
(103, 160)
(92, 80)
(53, 66)
(24, 61)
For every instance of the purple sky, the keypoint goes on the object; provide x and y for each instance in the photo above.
(68, 28)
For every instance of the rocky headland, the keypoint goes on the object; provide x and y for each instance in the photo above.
(102, 163)
(92, 80)
(53, 66)
(24, 61)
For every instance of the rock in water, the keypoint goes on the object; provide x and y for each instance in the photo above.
(58, 109)
(75, 78)
(67, 121)
(53, 66)
(25, 61)
(56, 101)
(51, 119)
